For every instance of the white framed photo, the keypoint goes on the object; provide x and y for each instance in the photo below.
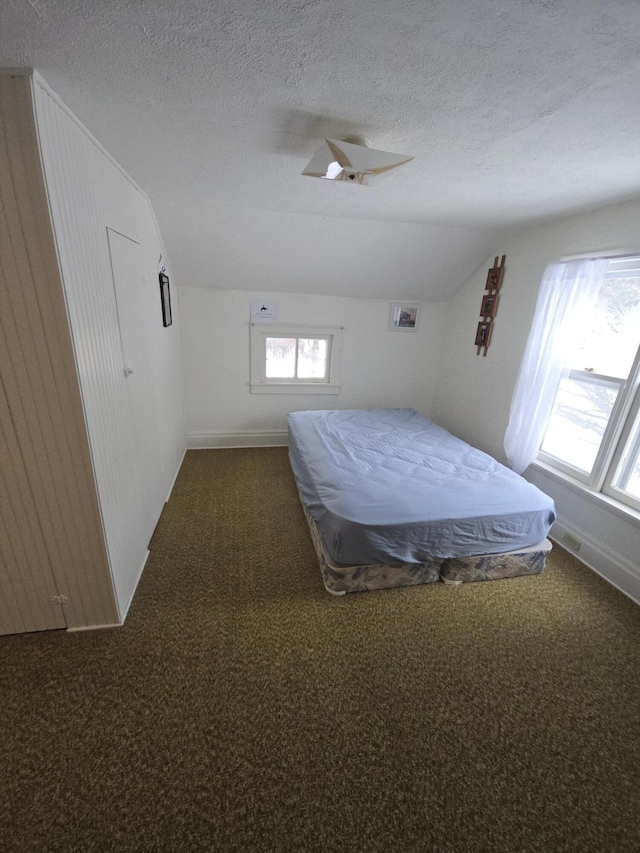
(403, 316)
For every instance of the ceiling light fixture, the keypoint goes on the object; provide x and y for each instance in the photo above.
(352, 160)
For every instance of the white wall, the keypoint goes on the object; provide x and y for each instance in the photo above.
(134, 461)
(240, 249)
(473, 393)
(379, 367)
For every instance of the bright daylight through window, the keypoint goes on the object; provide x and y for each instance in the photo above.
(295, 359)
(594, 430)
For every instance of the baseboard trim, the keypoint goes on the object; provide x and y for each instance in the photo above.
(125, 611)
(175, 477)
(216, 440)
(122, 615)
(613, 567)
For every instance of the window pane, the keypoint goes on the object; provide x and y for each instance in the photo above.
(594, 372)
(281, 358)
(610, 343)
(312, 358)
(579, 418)
(628, 475)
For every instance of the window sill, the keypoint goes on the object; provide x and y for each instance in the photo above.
(293, 388)
(604, 501)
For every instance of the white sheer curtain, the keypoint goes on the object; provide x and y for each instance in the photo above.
(567, 291)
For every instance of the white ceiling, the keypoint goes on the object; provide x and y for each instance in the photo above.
(513, 109)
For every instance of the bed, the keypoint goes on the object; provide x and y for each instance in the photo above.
(392, 499)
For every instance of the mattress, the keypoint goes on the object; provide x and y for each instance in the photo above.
(389, 487)
(339, 579)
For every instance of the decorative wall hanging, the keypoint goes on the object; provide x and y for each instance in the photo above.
(489, 306)
(165, 297)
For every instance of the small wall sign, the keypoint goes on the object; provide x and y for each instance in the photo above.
(264, 311)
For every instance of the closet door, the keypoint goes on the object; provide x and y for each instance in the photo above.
(128, 520)
(28, 596)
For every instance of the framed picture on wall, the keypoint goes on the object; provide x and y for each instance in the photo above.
(483, 334)
(165, 298)
(489, 305)
(494, 276)
(403, 317)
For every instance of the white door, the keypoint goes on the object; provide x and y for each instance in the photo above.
(128, 524)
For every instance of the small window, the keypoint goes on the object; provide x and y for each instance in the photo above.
(297, 358)
(294, 359)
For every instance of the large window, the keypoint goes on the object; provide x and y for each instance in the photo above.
(294, 359)
(594, 429)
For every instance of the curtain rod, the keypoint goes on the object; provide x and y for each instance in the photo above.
(607, 255)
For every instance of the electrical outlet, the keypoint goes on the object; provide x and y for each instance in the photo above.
(572, 542)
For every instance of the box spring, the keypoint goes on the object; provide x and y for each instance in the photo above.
(339, 579)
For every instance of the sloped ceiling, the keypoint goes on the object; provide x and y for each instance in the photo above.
(513, 109)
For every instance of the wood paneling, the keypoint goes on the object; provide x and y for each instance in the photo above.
(52, 490)
(77, 514)
(27, 587)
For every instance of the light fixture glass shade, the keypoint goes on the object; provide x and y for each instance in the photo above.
(336, 160)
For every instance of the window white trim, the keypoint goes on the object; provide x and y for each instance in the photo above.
(605, 465)
(618, 432)
(619, 508)
(623, 445)
(613, 254)
(260, 384)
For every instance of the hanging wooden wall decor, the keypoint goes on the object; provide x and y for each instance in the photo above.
(489, 305)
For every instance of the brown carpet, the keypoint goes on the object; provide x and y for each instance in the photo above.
(242, 708)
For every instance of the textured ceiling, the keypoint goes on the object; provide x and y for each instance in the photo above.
(513, 109)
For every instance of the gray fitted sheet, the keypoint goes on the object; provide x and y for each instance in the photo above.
(389, 486)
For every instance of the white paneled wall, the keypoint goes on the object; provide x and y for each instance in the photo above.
(87, 455)
(90, 197)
